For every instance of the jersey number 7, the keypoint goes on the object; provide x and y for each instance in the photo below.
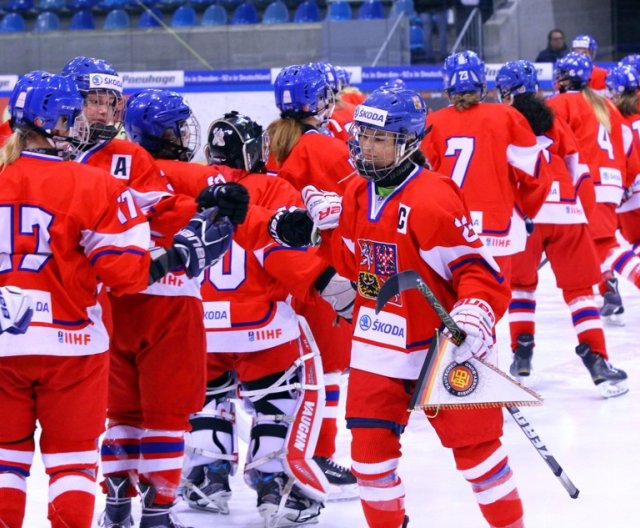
(462, 149)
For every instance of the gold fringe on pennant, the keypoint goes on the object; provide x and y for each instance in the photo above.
(466, 406)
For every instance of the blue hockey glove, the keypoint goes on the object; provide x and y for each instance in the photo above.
(15, 310)
(203, 241)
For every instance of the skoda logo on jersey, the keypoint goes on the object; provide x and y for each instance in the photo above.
(365, 322)
(370, 115)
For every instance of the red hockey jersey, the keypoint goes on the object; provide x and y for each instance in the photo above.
(632, 195)
(607, 152)
(491, 153)
(341, 119)
(64, 229)
(318, 160)
(245, 294)
(572, 189)
(166, 212)
(422, 225)
(5, 132)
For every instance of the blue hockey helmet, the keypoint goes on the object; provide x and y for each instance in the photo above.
(394, 83)
(464, 72)
(163, 124)
(24, 83)
(516, 77)
(344, 77)
(395, 112)
(330, 74)
(623, 79)
(632, 60)
(237, 141)
(302, 91)
(587, 43)
(98, 77)
(573, 71)
(47, 102)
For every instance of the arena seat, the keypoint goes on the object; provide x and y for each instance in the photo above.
(371, 10)
(184, 16)
(276, 13)
(117, 19)
(307, 12)
(82, 21)
(245, 13)
(339, 11)
(12, 23)
(214, 15)
(47, 21)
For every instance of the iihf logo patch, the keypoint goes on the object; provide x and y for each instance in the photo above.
(460, 379)
(252, 335)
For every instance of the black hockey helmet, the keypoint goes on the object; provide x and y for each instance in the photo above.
(238, 142)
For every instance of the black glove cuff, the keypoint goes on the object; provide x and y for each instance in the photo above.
(162, 262)
(324, 279)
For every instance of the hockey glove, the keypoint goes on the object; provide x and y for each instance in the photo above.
(338, 292)
(324, 209)
(203, 241)
(529, 225)
(15, 310)
(231, 199)
(476, 318)
(291, 227)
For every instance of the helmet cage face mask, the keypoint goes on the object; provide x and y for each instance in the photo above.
(238, 142)
(375, 166)
(109, 125)
(180, 141)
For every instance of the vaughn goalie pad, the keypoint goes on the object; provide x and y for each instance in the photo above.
(303, 434)
(443, 383)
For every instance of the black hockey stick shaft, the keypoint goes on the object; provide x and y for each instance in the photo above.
(458, 337)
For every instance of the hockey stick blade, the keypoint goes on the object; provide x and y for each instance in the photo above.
(411, 279)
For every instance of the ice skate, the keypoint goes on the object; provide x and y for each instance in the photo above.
(342, 484)
(117, 512)
(521, 364)
(156, 515)
(281, 504)
(611, 382)
(207, 488)
(612, 309)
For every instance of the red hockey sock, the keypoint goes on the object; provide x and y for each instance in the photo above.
(71, 499)
(522, 311)
(161, 465)
(13, 498)
(587, 323)
(486, 467)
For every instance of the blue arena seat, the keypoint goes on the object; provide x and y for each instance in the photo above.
(201, 5)
(402, 6)
(230, 4)
(47, 21)
(52, 5)
(82, 20)
(339, 11)
(19, 6)
(184, 16)
(79, 5)
(170, 6)
(214, 15)
(147, 21)
(12, 23)
(276, 13)
(245, 13)
(117, 19)
(371, 10)
(416, 38)
(110, 5)
(307, 11)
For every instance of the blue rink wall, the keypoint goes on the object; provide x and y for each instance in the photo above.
(211, 93)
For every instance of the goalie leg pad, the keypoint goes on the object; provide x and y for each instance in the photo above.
(211, 449)
(289, 410)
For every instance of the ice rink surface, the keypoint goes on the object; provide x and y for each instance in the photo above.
(596, 441)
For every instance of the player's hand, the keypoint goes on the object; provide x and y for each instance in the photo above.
(529, 225)
(324, 209)
(291, 227)
(203, 241)
(15, 310)
(338, 292)
(475, 317)
(231, 199)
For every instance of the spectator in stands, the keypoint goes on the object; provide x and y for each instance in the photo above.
(556, 47)
(433, 14)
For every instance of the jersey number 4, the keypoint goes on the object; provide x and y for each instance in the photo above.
(462, 149)
(33, 222)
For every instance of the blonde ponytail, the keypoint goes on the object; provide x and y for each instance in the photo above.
(600, 108)
(12, 149)
(465, 100)
(284, 133)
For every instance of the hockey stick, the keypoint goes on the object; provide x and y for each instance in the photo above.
(411, 280)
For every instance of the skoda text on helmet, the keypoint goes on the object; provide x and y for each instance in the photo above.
(632, 60)
(516, 77)
(302, 91)
(585, 42)
(623, 79)
(238, 142)
(163, 124)
(45, 105)
(573, 71)
(464, 72)
(394, 112)
(101, 86)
